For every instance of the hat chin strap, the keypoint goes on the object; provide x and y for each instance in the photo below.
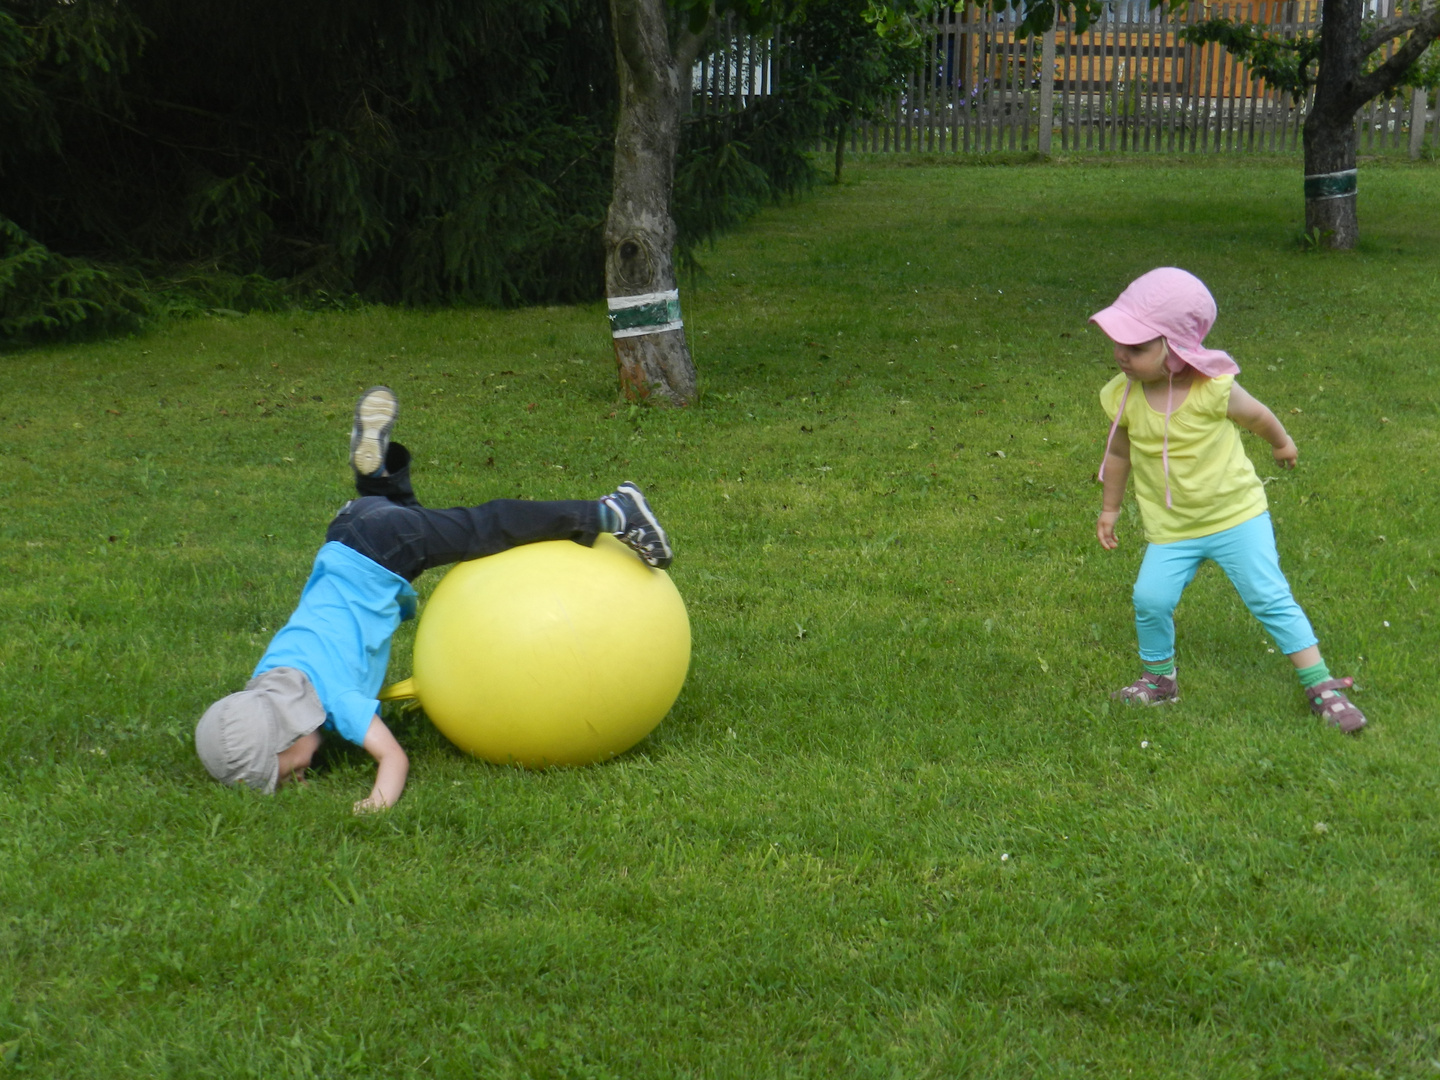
(1165, 440)
(1113, 425)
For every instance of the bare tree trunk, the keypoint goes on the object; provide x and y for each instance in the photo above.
(1331, 141)
(650, 350)
(840, 131)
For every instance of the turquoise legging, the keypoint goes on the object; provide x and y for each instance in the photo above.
(1246, 552)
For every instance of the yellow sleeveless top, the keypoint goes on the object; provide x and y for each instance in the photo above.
(1213, 485)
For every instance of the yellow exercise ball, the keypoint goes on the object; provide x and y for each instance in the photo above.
(550, 653)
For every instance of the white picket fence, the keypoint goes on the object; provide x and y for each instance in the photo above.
(1129, 83)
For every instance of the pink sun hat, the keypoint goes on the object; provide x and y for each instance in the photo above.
(1173, 304)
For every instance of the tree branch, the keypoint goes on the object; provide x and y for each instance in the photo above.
(1389, 74)
(630, 41)
(687, 45)
(1393, 29)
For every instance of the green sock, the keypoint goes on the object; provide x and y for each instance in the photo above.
(1164, 667)
(1315, 673)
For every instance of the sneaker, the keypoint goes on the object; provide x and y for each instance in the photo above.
(375, 415)
(1328, 700)
(1151, 690)
(640, 531)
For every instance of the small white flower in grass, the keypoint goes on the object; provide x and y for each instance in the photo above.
(1269, 650)
(1321, 828)
(1005, 857)
(1144, 744)
(1387, 622)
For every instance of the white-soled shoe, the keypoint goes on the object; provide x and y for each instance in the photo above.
(375, 415)
(641, 531)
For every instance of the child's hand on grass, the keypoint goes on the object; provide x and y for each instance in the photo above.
(1105, 529)
(391, 773)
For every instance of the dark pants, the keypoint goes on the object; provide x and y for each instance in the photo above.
(388, 524)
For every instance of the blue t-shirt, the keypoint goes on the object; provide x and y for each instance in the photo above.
(340, 635)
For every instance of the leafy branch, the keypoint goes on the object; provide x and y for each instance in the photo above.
(1292, 63)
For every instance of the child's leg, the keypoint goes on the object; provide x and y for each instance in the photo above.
(407, 540)
(471, 532)
(394, 482)
(1248, 556)
(1164, 573)
(388, 524)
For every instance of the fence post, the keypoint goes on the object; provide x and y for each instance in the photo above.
(1419, 98)
(1047, 91)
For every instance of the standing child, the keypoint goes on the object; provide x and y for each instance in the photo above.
(1199, 495)
(325, 666)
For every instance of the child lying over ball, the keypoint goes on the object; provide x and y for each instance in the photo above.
(323, 669)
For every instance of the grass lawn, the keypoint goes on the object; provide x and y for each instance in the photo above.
(894, 826)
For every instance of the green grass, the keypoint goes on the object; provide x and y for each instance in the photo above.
(904, 644)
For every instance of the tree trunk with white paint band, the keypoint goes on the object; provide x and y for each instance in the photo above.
(1331, 139)
(1342, 87)
(650, 349)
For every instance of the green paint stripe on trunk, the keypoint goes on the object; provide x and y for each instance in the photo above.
(1335, 185)
(659, 313)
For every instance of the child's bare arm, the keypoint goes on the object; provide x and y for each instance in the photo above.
(1117, 472)
(393, 767)
(1254, 417)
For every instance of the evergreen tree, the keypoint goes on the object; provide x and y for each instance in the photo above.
(157, 155)
(421, 152)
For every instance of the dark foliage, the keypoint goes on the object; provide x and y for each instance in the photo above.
(730, 164)
(158, 156)
(836, 60)
(44, 294)
(426, 153)
(859, 55)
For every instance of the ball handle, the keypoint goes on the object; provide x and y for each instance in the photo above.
(396, 691)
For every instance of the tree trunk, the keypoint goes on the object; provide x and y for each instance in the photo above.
(1330, 182)
(839, 149)
(650, 350)
(1331, 141)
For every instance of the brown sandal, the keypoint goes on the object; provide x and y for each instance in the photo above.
(1328, 699)
(1150, 690)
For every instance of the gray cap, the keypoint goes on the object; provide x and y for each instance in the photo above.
(239, 736)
